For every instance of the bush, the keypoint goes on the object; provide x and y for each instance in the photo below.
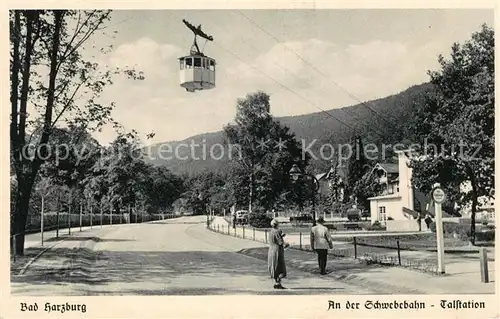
(463, 231)
(259, 220)
(376, 226)
(432, 227)
(390, 218)
(487, 235)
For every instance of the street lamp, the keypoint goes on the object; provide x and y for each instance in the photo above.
(295, 172)
(202, 200)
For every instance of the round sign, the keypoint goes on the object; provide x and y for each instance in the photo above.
(438, 195)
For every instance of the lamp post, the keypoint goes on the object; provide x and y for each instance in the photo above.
(201, 198)
(296, 173)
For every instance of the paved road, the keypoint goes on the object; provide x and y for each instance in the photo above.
(174, 257)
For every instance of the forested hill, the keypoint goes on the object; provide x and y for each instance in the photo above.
(383, 121)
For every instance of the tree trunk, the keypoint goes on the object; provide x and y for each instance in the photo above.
(472, 178)
(250, 195)
(21, 214)
(117, 208)
(473, 221)
(14, 82)
(25, 183)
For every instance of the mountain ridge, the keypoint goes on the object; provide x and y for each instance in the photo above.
(382, 121)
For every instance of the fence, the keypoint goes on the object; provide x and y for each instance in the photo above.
(64, 222)
(393, 251)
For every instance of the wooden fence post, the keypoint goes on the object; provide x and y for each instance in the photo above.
(399, 253)
(355, 248)
(483, 262)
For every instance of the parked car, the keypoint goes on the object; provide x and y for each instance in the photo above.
(241, 216)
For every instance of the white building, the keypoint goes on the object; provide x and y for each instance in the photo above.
(396, 202)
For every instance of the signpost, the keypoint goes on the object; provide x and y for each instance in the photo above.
(438, 197)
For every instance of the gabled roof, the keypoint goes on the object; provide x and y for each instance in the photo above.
(390, 168)
(321, 176)
(341, 171)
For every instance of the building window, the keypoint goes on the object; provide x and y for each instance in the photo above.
(382, 216)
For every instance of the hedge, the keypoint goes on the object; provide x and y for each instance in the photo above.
(375, 226)
(259, 220)
(463, 231)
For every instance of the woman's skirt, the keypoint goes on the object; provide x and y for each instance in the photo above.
(276, 262)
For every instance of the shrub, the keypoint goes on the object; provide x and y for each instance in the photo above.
(390, 218)
(463, 231)
(432, 227)
(376, 226)
(259, 220)
(487, 235)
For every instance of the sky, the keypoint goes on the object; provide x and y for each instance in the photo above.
(307, 60)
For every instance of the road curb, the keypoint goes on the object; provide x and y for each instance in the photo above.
(37, 256)
(32, 260)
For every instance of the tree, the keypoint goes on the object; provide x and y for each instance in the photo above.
(368, 186)
(162, 188)
(202, 192)
(51, 81)
(455, 125)
(358, 166)
(119, 176)
(336, 186)
(76, 154)
(265, 152)
(253, 120)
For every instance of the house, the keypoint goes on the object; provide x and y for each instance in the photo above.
(388, 176)
(326, 179)
(396, 201)
(399, 203)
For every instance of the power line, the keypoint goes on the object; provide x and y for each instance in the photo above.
(291, 90)
(286, 87)
(312, 66)
(282, 85)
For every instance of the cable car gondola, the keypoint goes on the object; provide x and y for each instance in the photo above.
(197, 71)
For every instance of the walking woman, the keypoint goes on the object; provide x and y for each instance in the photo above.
(276, 255)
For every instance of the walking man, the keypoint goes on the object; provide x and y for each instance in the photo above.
(321, 241)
